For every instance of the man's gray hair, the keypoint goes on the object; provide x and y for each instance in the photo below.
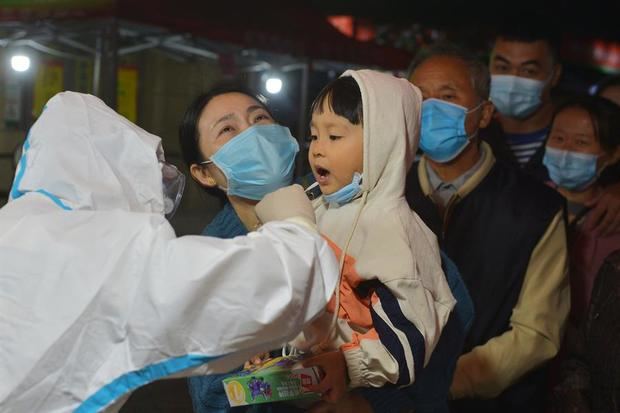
(478, 70)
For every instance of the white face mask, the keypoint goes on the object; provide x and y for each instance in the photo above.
(515, 96)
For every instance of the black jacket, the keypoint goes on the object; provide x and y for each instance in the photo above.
(490, 234)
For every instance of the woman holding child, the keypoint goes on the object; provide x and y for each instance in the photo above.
(393, 299)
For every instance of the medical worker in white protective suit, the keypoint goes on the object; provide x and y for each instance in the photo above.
(99, 297)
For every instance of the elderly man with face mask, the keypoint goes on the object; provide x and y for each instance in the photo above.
(99, 297)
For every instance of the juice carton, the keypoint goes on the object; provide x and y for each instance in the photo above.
(281, 378)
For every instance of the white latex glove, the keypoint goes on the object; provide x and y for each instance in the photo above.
(289, 203)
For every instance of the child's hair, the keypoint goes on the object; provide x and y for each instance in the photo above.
(604, 115)
(343, 97)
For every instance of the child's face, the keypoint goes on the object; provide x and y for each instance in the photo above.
(336, 149)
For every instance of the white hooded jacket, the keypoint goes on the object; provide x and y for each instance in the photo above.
(394, 298)
(99, 297)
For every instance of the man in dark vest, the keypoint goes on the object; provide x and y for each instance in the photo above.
(504, 230)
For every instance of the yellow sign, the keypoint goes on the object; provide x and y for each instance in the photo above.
(49, 81)
(127, 92)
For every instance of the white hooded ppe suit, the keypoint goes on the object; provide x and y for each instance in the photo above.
(99, 297)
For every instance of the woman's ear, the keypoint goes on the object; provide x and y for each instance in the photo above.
(202, 175)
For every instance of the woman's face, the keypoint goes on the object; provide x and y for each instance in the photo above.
(223, 118)
(572, 130)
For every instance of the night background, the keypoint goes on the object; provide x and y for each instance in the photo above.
(149, 58)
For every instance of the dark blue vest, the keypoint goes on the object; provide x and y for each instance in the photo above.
(490, 234)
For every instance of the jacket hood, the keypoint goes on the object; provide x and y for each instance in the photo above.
(391, 112)
(83, 155)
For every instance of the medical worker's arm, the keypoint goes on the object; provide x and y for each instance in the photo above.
(536, 326)
(248, 293)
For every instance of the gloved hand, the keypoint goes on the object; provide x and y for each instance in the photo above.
(290, 202)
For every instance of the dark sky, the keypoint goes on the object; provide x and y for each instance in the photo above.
(576, 17)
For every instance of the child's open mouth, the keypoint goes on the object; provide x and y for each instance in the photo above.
(322, 175)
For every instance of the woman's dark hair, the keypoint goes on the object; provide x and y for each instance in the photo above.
(188, 130)
(605, 117)
(343, 97)
(609, 81)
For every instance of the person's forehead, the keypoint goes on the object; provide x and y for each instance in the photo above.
(224, 104)
(326, 117)
(442, 71)
(574, 119)
(519, 52)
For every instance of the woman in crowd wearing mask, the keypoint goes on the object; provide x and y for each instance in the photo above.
(584, 139)
(233, 147)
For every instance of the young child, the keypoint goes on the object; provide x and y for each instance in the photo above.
(393, 299)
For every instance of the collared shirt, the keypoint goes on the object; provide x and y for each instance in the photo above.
(444, 191)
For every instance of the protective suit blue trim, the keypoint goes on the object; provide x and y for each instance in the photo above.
(54, 198)
(131, 381)
(16, 193)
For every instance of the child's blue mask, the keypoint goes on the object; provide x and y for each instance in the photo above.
(346, 193)
(570, 170)
(258, 161)
(442, 135)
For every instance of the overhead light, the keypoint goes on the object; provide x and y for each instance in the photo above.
(20, 63)
(273, 85)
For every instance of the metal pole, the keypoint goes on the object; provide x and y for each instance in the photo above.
(105, 64)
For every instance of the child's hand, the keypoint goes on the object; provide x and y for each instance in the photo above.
(257, 360)
(334, 384)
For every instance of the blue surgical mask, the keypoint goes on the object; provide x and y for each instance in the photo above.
(347, 192)
(515, 96)
(258, 161)
(443, 136)
(570, 170)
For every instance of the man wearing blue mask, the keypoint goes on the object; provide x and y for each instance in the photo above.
(525, 67)
(505, 232)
